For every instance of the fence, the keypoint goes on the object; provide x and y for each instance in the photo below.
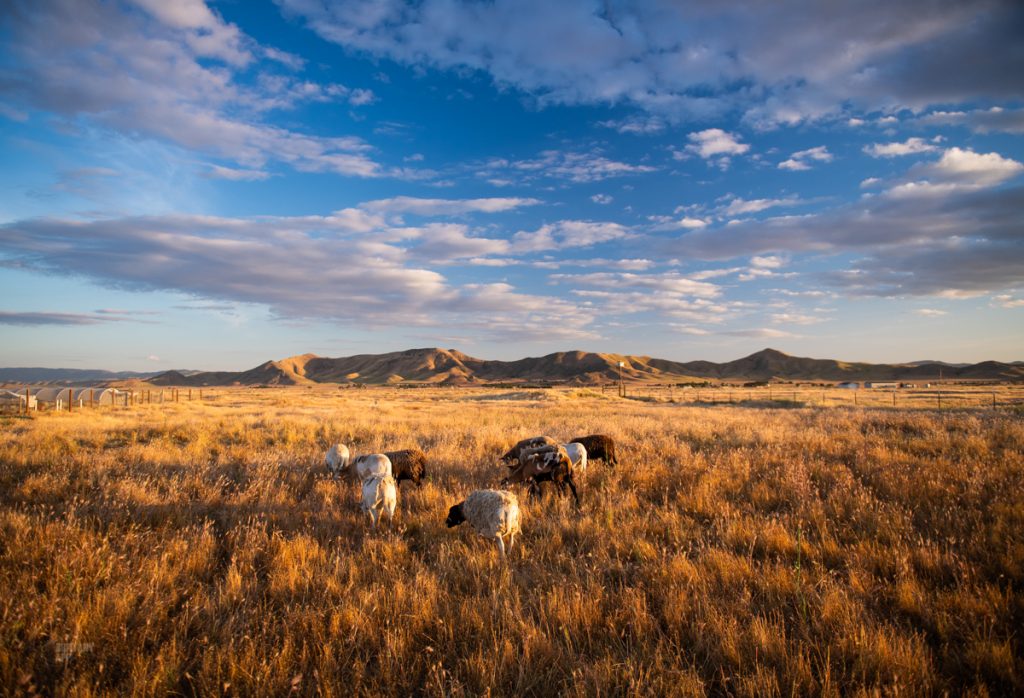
(931, 398)
(71, 399)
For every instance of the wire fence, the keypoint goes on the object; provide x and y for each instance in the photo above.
(921, 398)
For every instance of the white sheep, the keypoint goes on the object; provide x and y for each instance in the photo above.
(337, 459)
(491, 513)
(380, 495)
(372, 464)
(577, 453)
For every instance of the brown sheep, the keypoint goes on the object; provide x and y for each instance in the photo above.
(512, 455)
(544, 464)
(409, 464)
(599, 446)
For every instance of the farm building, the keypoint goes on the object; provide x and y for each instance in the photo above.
(51, 396)
(849, 385)
(10, 399)
(878, 384)
(83, 397)
(101, 396)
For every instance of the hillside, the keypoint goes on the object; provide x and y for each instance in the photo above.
(451, 367)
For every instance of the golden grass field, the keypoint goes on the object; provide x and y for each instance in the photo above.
(200, 549)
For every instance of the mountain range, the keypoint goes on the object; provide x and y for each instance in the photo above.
(452, 367)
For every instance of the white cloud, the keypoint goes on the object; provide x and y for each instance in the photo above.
(636, 125)
(715, 143)
(235, 174)
(601, 199)
(1006, 300)
(930, 312)
(445, 207)
(175, 73)
(567, 234)
(995, 119)
(687, 61)
(768, 262)
(870, 182)
(738, 207)
(911, 146)
(801, 160)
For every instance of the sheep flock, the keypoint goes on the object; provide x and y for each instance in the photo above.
(493, 514)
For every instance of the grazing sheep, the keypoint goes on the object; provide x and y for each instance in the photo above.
(533, 442)
(380, 495)
(371, 464)
(544, 464)
(410, 464)
(599, 446)
(491, 513)
(578, 455)
(337, 459)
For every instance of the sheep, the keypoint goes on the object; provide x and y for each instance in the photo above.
(371, 464)
(410, 464)
(577, 453)
(544, 464)
(380, 495)
(599, 446)
(337, 459)
(533, 442)
(491, 513)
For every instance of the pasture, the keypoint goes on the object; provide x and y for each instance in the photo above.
(201, 549)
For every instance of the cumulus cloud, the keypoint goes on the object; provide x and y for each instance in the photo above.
(740, 207)
(555, 164)
(802, 159)
(349, 266)
(930, 312)
(602, 199)
(995, 119)
(445, 207)
(911, 146)
(701, 60)
(716, 144)
(567, 234)
(173, 72)
(967, 240)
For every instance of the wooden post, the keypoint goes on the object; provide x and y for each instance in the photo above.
(190, 394)
(939, 395)
(769, 394)
(71, 398)
(993, 401)
(201, 394)
(92, 397)
(855, 396)
(27, 399)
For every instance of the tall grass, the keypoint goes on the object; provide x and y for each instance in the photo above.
(201, 549)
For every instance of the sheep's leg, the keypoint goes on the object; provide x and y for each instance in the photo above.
(572, 487)
(373, 517)
(501, 545)
(511, 541)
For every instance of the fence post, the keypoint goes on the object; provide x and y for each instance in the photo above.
(939, 394)
(27, 398)
(190, 394)
(855, 396)
(201, 394)
(993, 401)
(894, 398)
(71, 399)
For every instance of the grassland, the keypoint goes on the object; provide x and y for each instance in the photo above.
(199, 548)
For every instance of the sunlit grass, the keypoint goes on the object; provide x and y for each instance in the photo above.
(201, 547)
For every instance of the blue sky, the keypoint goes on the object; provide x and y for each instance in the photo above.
(210, 185)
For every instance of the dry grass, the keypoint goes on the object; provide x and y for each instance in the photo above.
(200, 549)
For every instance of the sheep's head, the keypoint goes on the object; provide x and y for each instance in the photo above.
(455, 516)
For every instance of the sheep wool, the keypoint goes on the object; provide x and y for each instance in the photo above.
(380, 496)
(337, 459)
(492, 513)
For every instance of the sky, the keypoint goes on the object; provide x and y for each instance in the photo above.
(209, 185)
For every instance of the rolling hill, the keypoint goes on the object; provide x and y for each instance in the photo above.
(451, 367)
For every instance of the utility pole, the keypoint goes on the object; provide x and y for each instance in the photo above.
(622, 387)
